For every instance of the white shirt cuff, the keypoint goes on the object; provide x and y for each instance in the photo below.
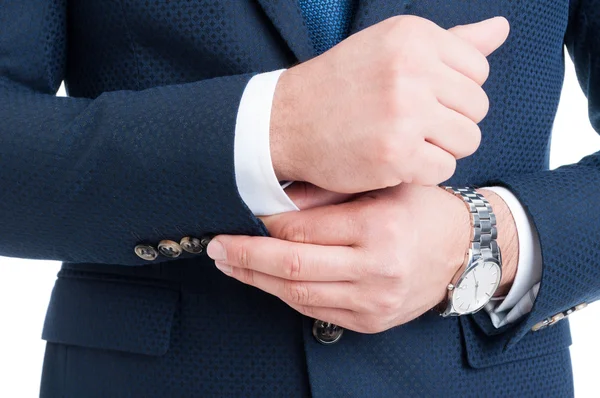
(523, 292)
(255, 177)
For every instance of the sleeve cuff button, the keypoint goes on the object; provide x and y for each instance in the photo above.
(191, 245)
(146, 252)
(169, 249)
(557, 318)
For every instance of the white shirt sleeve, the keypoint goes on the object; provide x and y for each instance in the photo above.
(264, 195)
(254, 174)
(524, 290)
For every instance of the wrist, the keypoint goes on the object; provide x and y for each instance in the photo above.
(284, 127)
(508, 240)
(490, 226)
(462, 235)
(459, 239)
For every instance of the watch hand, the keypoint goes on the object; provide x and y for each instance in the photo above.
(476, 285)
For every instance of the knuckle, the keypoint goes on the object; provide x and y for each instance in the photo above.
(297, 292)
(438, 171)
(481, 69)
(293, 232)
(445, 169)
(354, 221)
(388, 151)
(390, 226)
(411, 150)
(361, 325)
(480, 105)
(386, 304)
(400, 158)
(392, 269)
(485, 104)
(293, 264)
(360, 305)
(394, 273)
(307, 310)
(399, 275)
(243, 255)
(381, 271)
(362, 270)
(370, 325)
(412, 24)
(247, 277)
(387, 162)
(473, 140)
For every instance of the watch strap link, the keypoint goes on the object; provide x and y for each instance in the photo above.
(483, 220)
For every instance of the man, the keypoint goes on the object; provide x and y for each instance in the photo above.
(186, 119)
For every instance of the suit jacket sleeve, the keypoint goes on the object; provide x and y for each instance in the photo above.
(86, 180)
(564, 203)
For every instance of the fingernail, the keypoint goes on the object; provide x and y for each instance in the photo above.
(224, 268)
(216, 251)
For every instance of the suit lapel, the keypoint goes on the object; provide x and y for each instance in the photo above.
(287, 18)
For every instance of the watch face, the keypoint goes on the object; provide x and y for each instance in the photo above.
(476, 287)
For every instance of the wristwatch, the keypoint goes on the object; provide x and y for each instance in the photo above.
(475, 283)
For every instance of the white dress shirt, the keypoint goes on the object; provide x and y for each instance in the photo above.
(263, 194)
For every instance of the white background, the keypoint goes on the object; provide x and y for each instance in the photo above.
(25, 285)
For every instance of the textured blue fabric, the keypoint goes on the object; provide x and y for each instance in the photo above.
(328, 21)
(143, 150)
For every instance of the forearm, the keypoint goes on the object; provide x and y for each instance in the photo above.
(83, 175)
(563, 203)
(563, 206)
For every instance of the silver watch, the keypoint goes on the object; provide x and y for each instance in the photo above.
(479, 277)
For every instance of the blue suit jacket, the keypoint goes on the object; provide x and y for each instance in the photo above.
(143, 151)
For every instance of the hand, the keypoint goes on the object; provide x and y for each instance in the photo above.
(366, 265)
(396, 102)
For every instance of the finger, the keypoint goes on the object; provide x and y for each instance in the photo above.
(453, 133)
(288, 260)
(435, 165)
(314, 294)
(466, 49)
(307, 196)
(486, 36)
(346, 319)
(338, 225)
(461, 94)
(463, 58)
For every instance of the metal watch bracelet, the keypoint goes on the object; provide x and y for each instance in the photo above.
(483, 220)
(482, 240)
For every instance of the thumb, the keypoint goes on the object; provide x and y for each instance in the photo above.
(486, 35)
(307, 196)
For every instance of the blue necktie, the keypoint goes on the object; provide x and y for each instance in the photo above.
(328, 21)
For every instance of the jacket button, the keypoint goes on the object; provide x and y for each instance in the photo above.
(146, 252)
(191, 245)
(205, 240)
(168, 248)
(326, 333)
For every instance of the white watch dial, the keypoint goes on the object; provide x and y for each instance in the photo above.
(476, 287)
